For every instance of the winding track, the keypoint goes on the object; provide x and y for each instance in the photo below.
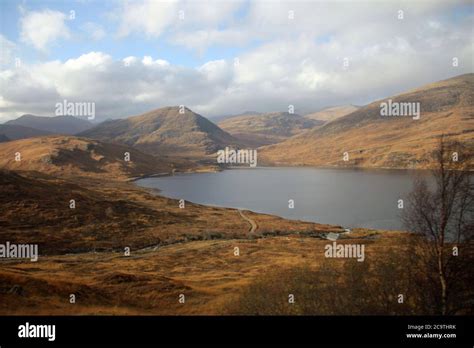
(253, 224)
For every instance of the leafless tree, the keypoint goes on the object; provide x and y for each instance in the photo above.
(442, 211)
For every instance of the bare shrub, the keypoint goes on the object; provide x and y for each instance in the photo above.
(443, 216)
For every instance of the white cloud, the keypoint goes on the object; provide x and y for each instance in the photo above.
(118, 89)
(147, 16)
(148, 61)
(87, 61)
(298, 62)
(41, 28)
(193, 23)
(209, 13)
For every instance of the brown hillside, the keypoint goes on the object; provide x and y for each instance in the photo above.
(73, 156)
(396, 142)
(165, 131)
(265, 129)
(333, 113)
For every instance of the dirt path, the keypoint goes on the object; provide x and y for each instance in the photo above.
(253, 224)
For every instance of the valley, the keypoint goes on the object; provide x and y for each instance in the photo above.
(124, 249)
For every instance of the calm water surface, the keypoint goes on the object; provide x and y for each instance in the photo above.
(351, 198)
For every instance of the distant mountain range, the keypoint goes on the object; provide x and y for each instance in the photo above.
(319, 139)
(57, 125)
(269, 128)
(28, 126)
(371, 140)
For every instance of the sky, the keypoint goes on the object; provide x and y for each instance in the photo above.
(225, 57)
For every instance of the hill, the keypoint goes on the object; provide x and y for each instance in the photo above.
(220, 118)
(67, 125)
(165, 131)
(371, 140)
(264, 129)
(73, 156)
(333, 113)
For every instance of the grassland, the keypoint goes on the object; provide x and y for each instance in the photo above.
(149, 281)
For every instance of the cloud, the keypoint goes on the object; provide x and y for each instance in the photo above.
(296, 61)
(207, 23)
(42, 28)
(118, 87)
(193, 24)
(147, 16)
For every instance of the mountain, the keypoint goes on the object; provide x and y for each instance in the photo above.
(73, 156)
(218, 119)
(14, 132)
(333, 113)
(3, 138)
(264, 129)
(372, 140)
(67, 125)
(165, 131)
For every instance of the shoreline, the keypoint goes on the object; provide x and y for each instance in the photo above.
(217, 169)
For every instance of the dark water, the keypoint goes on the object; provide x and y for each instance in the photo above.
(351, 198)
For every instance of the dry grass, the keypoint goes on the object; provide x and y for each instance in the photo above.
(150, 281)
(66, 156)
